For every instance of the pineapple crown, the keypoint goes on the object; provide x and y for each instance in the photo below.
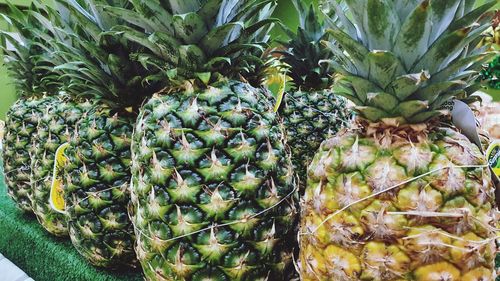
(24, 60)
(96, 63)
(198, 39)
(404, 59)
(304, 50)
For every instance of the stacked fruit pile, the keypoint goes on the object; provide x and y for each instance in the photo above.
(145, 132)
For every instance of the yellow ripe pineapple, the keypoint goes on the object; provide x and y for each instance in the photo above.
(402, 194)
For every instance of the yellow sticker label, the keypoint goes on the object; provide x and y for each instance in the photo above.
(57, 187)
(276, 84)
(493, 156)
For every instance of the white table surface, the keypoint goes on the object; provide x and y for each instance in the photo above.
(10, 272)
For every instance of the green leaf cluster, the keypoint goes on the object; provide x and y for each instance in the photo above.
(405, 59)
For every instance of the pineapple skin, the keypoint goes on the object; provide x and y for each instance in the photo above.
(310, 117)
(424, 230)
(96, 188)
(20, 130)
(206, 158)
(55, 127)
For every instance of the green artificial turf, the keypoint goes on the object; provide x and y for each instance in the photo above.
(42, 256)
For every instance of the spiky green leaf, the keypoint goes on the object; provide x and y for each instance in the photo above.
(189, 27)
(412, 40)
(410, 108)
(384, 101)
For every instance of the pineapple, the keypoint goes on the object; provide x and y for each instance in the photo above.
(310, 110)
(98, 170)
(23, 117)
(213, 190)
(96, 193)
(402, 195)
(52, 117)
(20, 128)
(54, 129)
(56, 121)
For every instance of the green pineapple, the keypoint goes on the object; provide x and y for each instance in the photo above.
(21, 123)
(54, 129)
(31, 83)
(98, 169)
(402, 195)
(57, 119)
(96, 188)
(213, 192)
(52, 116)
(311, 111)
